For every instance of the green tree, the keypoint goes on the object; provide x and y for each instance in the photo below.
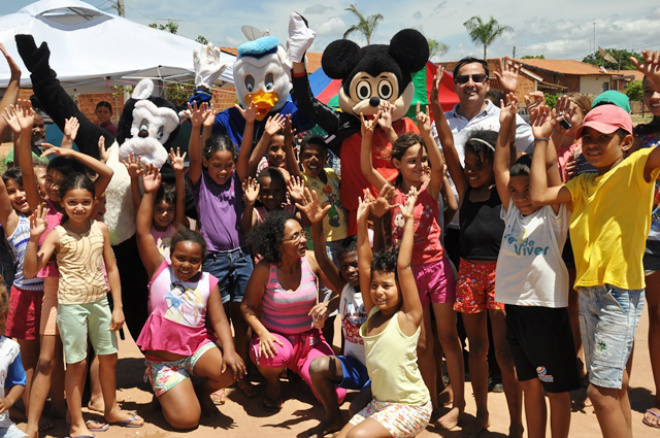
(551, 99)
(436, 48)
(201, 39)
(170, 26)
(533, 57)
(634, 90)
(366, 25)
(485, 33)
(622, 56)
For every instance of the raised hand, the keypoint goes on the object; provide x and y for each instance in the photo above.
(251, 189)
(423, 121)
(11, 118)
(311, 206)
(176, 159)
(38, 222)
(198, 114)
(289, 130)
(208, 66)
(509, 74)
(364, 206)
(408, 210)
(249, 113)
(50, 149)
(71, 126)
(13, 67)
(151, 179)
(533, 100)
(103, 152)
(384, 116)
(133, 166)
(650, 66)
(382, 204)
(565, 109)
(508, 109)
(435, 88)
(274, 124)
(368, 125)
(296, 188)
(543, 121)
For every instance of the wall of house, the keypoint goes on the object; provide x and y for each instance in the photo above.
(594, 85)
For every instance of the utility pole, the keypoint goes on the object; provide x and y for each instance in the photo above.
(119, 6)
(514, 52)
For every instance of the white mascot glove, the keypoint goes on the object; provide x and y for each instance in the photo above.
(300, 39)
(208, 67)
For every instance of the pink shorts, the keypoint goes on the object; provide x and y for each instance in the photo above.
(436, 282)
(24, 314)
(297, 353)
(476, 288)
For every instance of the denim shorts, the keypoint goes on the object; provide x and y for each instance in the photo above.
(233, 269)
(608, 321)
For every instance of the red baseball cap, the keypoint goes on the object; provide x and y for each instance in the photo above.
(607, 119)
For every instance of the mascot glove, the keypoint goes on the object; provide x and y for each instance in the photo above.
(208, 67)
(300, 39)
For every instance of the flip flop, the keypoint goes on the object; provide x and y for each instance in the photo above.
(218, 398)
(103, 428)
(247, 388)
(132, 422)
(656, 415)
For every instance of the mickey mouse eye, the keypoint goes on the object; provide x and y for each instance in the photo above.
(249, 83)
(144, 125)
(384, 89)
(363, 90)
(269, 82)
(161, 132)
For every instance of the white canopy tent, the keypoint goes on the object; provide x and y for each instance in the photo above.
(92, 51)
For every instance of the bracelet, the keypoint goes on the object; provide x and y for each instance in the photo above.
(541, 139)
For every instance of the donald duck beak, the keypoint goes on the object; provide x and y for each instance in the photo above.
(264, 102)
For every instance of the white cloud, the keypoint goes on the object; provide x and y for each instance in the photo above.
(334, 25)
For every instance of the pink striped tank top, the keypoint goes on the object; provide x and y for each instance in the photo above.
(286, 311)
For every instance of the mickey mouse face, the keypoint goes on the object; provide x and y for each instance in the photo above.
(365, 92)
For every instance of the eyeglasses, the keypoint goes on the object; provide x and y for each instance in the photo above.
(463, 79)
(296, 237)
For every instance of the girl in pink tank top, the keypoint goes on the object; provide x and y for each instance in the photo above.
(175, 338)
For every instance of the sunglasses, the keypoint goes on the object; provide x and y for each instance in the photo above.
(478, 78)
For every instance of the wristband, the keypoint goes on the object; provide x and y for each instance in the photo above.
(541, 139)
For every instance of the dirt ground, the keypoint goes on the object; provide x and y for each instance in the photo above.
(243, 418)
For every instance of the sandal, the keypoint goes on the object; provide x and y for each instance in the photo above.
(218, 398)
(247, 388)
(273, 405)
(653, 412)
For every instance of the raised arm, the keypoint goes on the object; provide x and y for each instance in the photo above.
(250, 194)
(250, 115)
(147, 247)
(103, 171)
(134, 168)
(447, 138)
(365, 255)
(505, 152)
(21, 118)
(436, 159)
(197, 118)
(11, 92)
(508, 75)
(273, 125)
(178, 164)
(71, 126)
(412, 305)
(35, 257)
(540, 191)
(289, 137)
(312, 209)
(650, 66)
(366, 164)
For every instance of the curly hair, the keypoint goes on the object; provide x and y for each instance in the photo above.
(167, 193)
(266, 238)
(481, 144)
(522, 166)
(385, 261)
(13, 173)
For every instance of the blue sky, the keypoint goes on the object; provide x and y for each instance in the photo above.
(558, 29)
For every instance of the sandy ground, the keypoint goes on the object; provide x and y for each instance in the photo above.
(243, 418)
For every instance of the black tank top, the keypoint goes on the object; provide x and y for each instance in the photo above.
(481, 227)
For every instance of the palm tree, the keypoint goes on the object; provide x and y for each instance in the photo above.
(436, 48)
(366, 25)
(485, 33)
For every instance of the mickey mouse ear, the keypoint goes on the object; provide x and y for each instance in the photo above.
(340, 58)
(410, 49)
(143, 89)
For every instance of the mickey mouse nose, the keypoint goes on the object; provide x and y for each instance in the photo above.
(143, 133)
(374, 101)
